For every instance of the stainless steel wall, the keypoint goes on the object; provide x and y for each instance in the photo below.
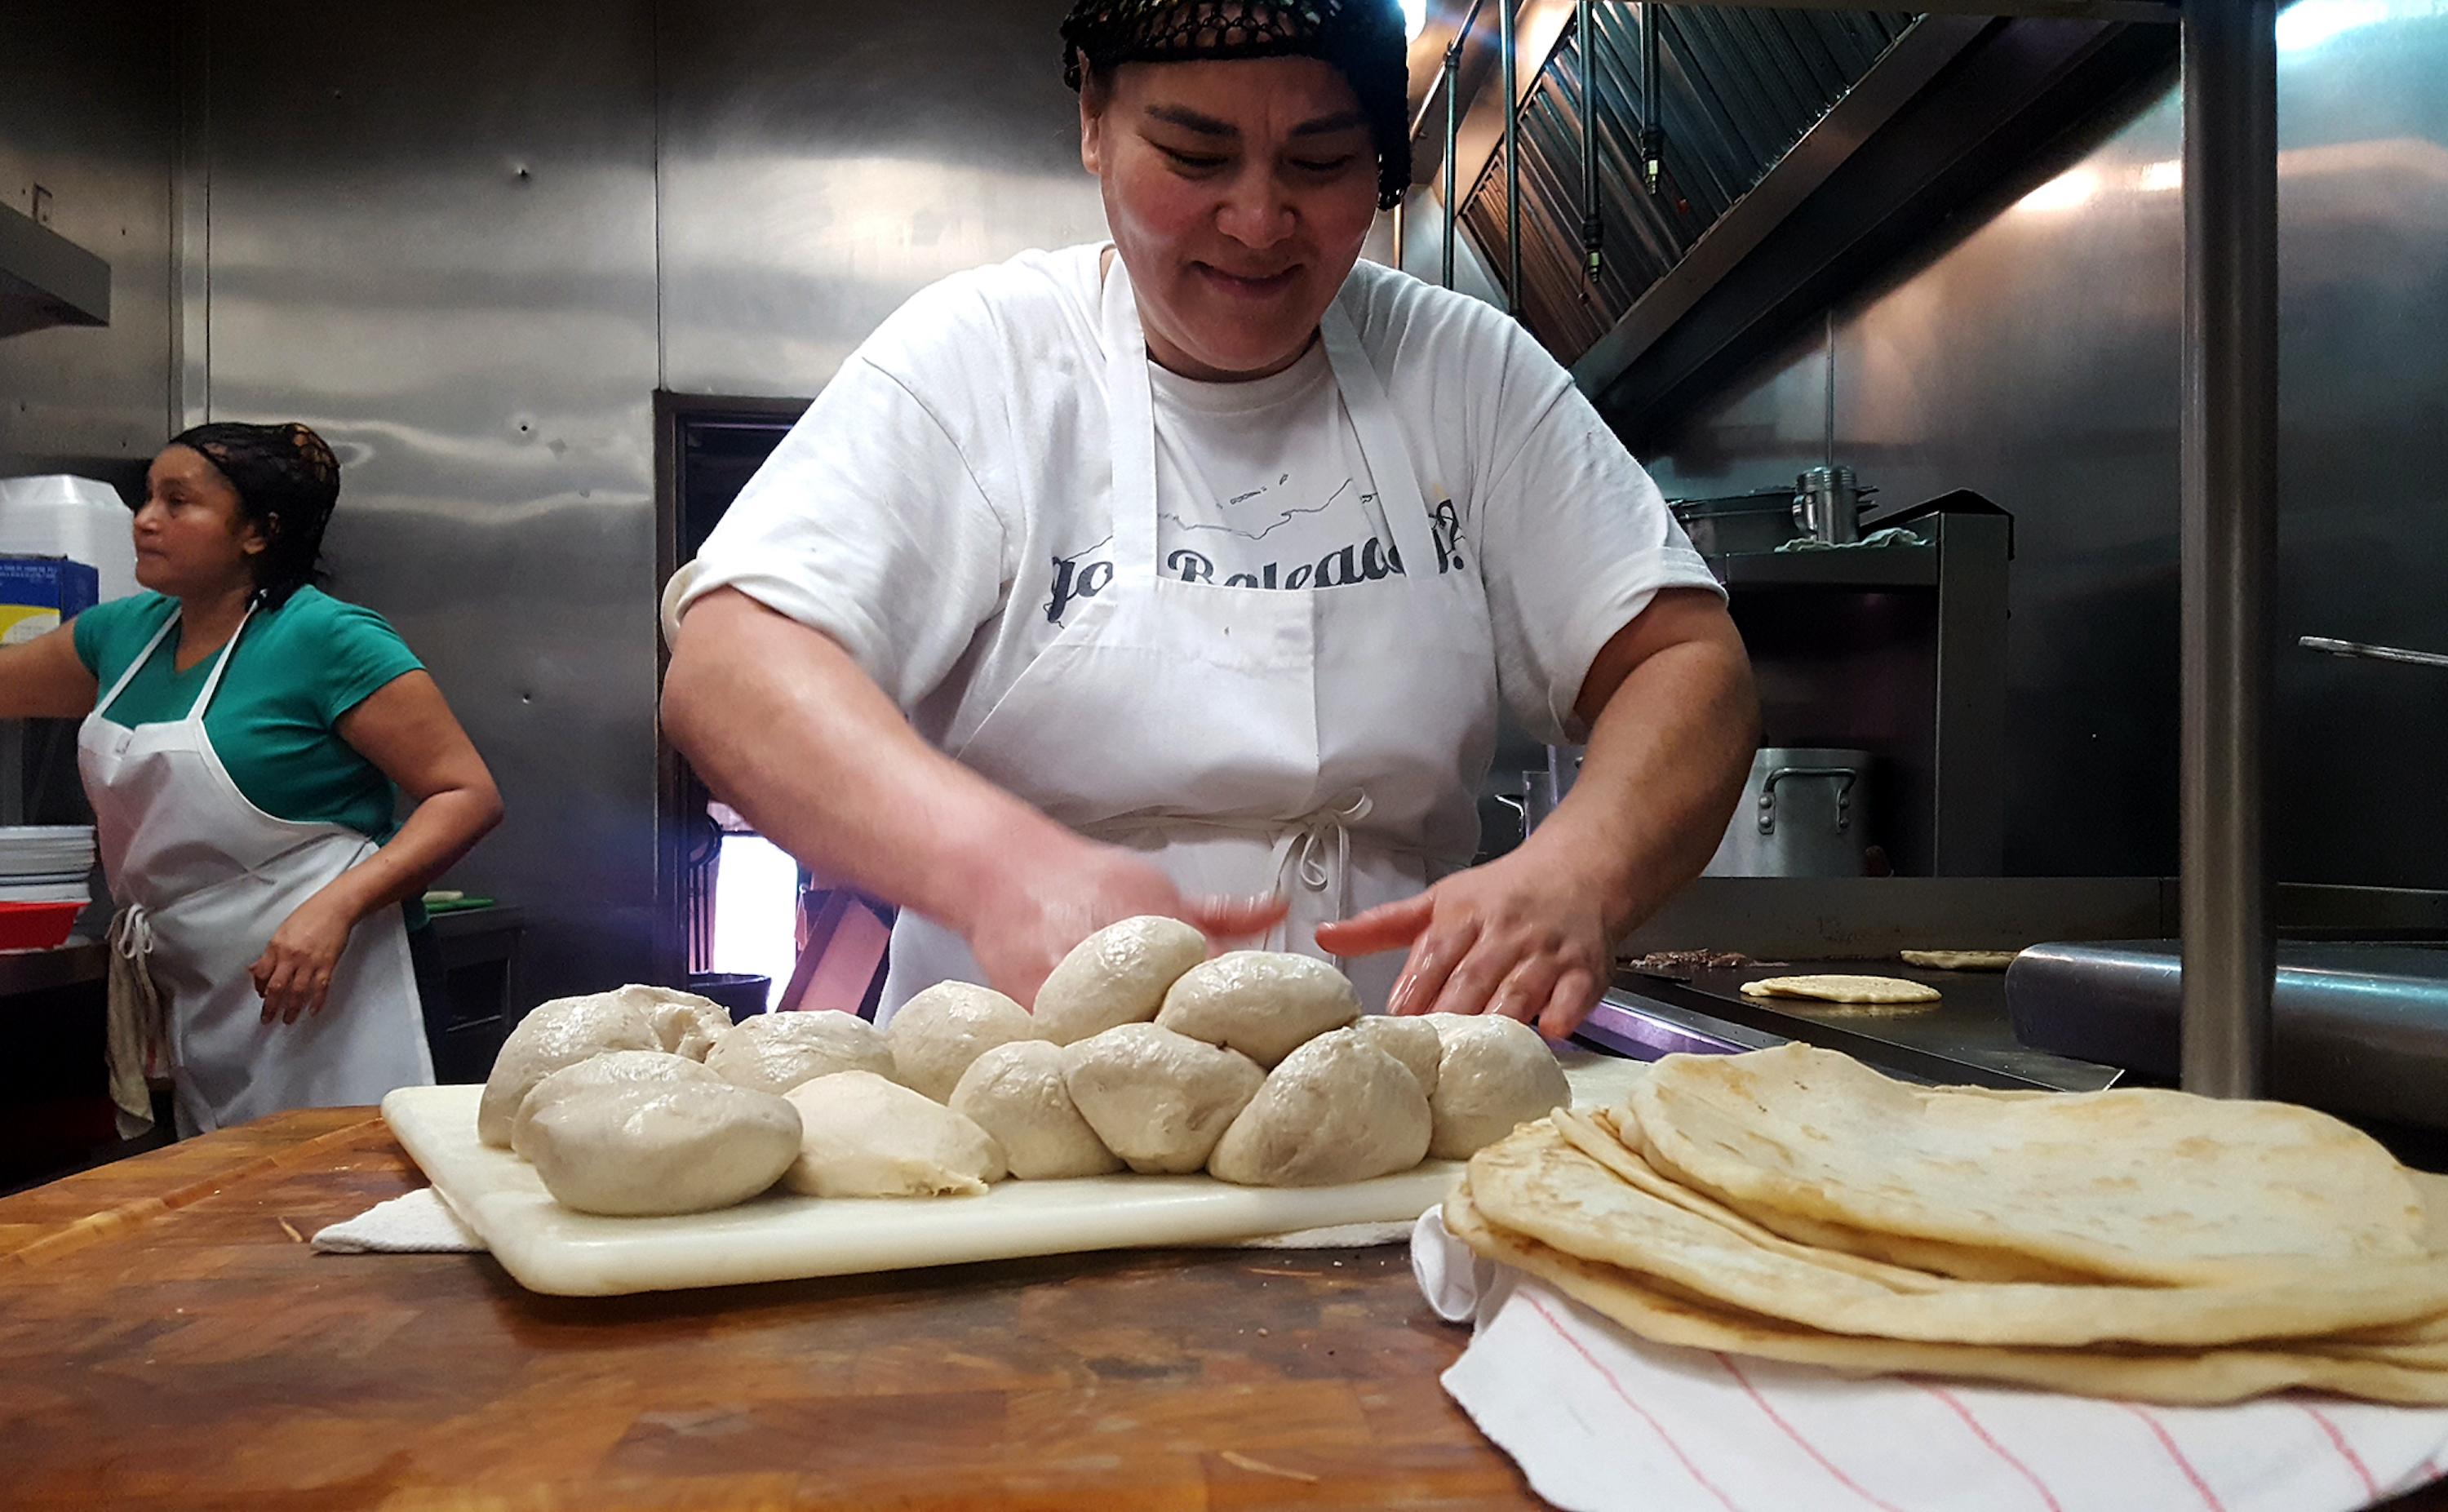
(432, 234)
(2034, 359)
(821, 164)
(90, 111)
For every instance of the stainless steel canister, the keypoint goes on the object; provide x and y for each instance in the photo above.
(1805, 813)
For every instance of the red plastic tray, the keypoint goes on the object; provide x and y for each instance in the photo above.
(36, 926)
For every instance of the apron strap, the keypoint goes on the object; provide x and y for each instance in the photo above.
(221, 666)
(1400, 496)
(1130, 412)
(129, 675)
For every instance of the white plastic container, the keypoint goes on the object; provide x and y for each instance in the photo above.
(59, 515)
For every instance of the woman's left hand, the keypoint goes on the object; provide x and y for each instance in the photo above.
(294, 974)
(1523, 935)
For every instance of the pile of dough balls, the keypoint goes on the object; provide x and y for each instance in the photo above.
(646, 1102)
(1257, 1067)
(611, 1099)
(1143, 1054)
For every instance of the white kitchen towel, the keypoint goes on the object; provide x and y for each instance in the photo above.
(1602, 1421)
(419, 1223)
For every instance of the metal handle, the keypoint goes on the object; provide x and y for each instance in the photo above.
(1845, 778)
(1520, 804)
(2375, 653)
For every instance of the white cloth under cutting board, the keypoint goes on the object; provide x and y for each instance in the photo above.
(1602, 1421)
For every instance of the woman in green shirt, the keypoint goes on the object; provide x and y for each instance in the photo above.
(245, 737)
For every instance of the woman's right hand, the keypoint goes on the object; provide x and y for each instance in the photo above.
(1026, 921)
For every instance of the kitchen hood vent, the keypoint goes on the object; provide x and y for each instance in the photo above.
(46, 279)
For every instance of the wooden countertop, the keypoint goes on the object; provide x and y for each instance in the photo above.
(167, 1340)
(171, 1341)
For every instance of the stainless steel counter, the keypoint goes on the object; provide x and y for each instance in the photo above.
(1965, 1038)
(79, 961)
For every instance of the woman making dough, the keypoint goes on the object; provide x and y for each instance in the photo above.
(1187, 574)
(243, 733)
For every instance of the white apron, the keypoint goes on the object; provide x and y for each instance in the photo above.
(202, 877)
(1323, 745)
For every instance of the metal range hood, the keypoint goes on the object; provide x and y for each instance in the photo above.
(1789, 152)
(46, 279)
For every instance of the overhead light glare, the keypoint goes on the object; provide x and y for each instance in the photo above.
(2070, 190)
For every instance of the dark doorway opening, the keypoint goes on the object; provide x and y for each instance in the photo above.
(706, 448)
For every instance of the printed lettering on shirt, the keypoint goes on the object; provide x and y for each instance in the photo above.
(1444, 528)
(1075, 579)
(1370, 560)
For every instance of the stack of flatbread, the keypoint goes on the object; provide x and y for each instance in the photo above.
(2141, 1244)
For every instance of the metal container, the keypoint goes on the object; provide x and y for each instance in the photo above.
(1805, 813)
(1536, 799)
(1543, 787)
(1828, 505)
(1760, 521)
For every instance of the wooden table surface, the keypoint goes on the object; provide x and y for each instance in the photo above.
(168, 1340)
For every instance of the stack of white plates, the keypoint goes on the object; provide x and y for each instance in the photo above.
(45, 863)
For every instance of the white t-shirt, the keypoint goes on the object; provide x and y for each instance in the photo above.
(947, 501)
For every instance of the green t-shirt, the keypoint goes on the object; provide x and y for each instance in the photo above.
(272, 720)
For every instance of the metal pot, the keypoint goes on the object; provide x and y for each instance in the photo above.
(1805, 813)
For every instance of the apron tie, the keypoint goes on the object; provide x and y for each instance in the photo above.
(1317, 848)
(1306, 862)
(135, 1022)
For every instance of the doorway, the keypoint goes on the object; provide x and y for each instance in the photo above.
(728, 900)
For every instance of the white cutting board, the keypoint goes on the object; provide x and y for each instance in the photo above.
(784, 1236)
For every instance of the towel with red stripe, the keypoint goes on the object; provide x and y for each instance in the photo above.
(1600, 1420)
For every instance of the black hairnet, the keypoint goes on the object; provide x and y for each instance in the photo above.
(287, 482)
(1364, 39)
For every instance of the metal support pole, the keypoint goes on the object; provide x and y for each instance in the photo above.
(1585, 39)
(1453, 142)
(2229, 535)
(1653, 115)
(1505, 27)
(1399, 206)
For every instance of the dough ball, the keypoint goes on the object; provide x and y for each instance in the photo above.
(861, 1135)
(774, 1052)
(1264, 1004)
(611, 1068)
(661, 1147)
(1117, 975)
(562, 1032)
(1015, 1092)
(1338, 1109)
(687, 1024)
(940, 1031)
(1159, 1099)
(1495, 1073)
(1412, 1041)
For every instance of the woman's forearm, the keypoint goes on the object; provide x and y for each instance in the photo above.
(1664, 767)
(782, 724)
(443, 827)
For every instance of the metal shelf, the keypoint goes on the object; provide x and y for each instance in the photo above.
(2165, 11)
(1861, 567)
(46, 279)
